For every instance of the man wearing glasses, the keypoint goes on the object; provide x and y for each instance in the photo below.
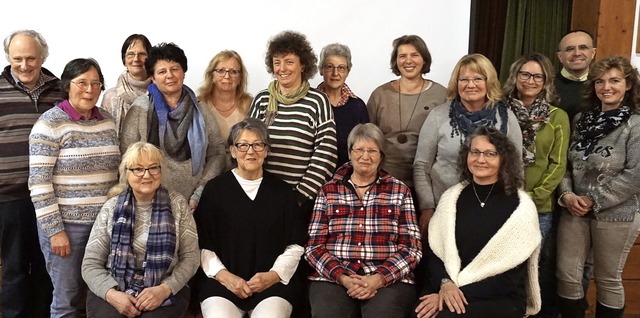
(26, 91)
(575, 51)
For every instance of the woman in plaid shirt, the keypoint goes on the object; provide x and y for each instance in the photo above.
(364, 242)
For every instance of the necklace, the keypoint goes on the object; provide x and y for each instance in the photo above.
(473, 184)
(363, 186)
(224, 110)
(402, 138)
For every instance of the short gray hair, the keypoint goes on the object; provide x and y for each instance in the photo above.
(368, 131)
(335, 49)
(44, 47)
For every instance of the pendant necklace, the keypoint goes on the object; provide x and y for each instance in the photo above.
(402, 138)
(473, 184)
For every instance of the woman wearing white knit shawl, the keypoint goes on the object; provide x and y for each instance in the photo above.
(484, 238)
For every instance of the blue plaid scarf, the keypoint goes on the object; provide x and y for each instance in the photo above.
(161, 244)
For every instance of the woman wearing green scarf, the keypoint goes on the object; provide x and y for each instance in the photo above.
(303, 149)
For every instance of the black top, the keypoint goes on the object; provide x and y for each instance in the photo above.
(475, 226)
(570, 93)
(248, 235)
(348, 116)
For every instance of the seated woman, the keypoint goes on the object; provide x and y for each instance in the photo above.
(355, 263)
(143, 247)
(251, 234)
(484, 238)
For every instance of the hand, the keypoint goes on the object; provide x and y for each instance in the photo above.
(152, 297)
(451, 295)
(261, 281)
(428, 306)
(367, 287)
(193, 204)
(355, 287)
(577, 205)
(423, 223)
(234, 284)
(124, 303)
(60, 244)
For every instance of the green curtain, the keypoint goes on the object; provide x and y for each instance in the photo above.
(533, 26)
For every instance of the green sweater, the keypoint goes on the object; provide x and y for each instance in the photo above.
(542, 178)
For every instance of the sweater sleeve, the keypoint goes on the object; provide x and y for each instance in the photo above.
(94, 265)
(134, 120)
(557, 167)
(215, 156)
(424, 159)
(627, 182)
(188, 251)
(514, 133)
(44, 149)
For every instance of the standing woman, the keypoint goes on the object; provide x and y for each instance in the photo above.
(474, 100)
(601, 189)
(545, 129)
(400, 107)
(132, 82)
(299, 118)
(171, 119)
(348, 109)
(73, 161)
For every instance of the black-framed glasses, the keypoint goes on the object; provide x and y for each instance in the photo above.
(525, 76)
(257, 146)
(83, 85)
(222, 72)
(370, 152)
(488, 154)
(476, 80)
(330, 67)
(139, 172)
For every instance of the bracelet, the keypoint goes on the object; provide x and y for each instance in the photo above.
(444, 281)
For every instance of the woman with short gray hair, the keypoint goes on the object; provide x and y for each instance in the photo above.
(348, 109)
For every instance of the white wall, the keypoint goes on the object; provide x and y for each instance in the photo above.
(97, 29)
(635, 57)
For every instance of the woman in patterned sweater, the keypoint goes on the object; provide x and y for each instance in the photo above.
(73, 161)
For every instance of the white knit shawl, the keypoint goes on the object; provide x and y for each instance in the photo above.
(517, 241)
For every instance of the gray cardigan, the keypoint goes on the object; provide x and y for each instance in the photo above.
(97, 263)
(435, 167)
(611, 175)
(177, 175)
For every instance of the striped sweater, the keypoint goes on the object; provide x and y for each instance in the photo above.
(18, 112)
(303, 149)
(72, 165)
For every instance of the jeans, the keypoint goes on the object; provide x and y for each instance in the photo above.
(331, 300)
(69, 290)
(26, 286)
(610, 243)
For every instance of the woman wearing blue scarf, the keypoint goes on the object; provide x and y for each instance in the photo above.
(143, 247)
(171, 118)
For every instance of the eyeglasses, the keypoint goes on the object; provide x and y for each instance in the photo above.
(580, 48)
(476, 80)
(222, 72)
(83, 85)
(525, 76)
(132, 55)
(372, 152)
(257, 146)
(488, 154)
(139, 172)
(341, 68)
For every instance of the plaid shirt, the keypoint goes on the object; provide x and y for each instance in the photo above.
(377, 234)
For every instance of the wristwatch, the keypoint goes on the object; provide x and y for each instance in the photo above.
(444, 281)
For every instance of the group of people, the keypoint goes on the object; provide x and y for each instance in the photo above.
(425, 201)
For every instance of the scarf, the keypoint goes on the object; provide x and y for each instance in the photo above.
(127, 90)
(595, 124)
(276, 97)
(161, 243)
(180, 132)
(345, 93)
(531, 120)
(464, 122)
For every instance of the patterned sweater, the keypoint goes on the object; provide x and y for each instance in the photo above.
(18, 112)
(72, 165)
(303, 150)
